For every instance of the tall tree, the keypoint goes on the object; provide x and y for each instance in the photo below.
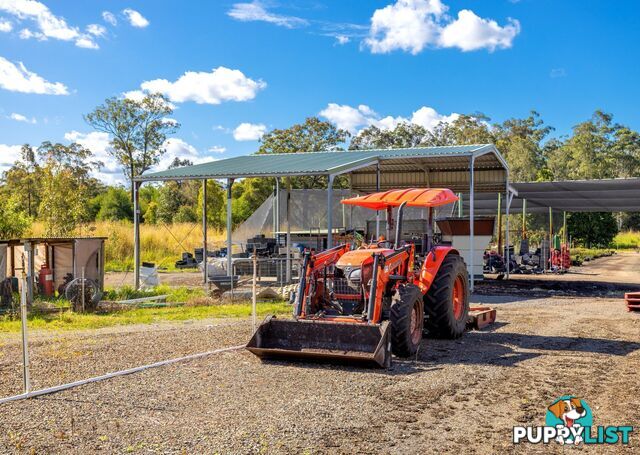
(313, 135)
(589, 153)
(137, 130)
(65, 193)
(14, 222)
(404, 135)
(465, 129)
(22, 182)
(521, 142)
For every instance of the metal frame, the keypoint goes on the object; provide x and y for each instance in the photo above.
(331, 173)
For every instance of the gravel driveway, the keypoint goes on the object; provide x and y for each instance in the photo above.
(459, 396)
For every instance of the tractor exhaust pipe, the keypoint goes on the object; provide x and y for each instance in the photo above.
(399, 216)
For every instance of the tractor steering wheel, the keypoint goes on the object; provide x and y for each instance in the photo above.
(384, 244)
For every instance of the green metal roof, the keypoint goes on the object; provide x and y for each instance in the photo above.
(313, 163)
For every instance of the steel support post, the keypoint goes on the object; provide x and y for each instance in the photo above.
(377, 211)
(288, 255)
(500, 250)
(276, 211)
(472, 199)
(28, 250)
(136, 235)
(524, 219)
(205, 262)
(229, 229)
(330, 212)
(26, 377)
(507, 236)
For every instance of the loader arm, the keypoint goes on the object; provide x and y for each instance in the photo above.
(311, 265)
(388, 270)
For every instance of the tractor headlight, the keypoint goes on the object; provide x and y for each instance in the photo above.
(355, 276)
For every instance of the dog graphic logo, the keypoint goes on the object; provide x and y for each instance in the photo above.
(570, 412)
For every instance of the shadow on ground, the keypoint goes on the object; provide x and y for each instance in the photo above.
(485, 348)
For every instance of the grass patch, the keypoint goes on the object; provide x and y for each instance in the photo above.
(180, 294)
(160, 244)
(579, 255)
(75, 321)
(627, 240)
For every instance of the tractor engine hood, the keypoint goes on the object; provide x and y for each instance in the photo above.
(356, 258)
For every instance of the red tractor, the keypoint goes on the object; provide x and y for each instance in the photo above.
(361, 305)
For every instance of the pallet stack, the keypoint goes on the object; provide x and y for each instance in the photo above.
(633, 301)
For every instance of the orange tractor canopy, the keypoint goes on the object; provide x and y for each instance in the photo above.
(361, 305)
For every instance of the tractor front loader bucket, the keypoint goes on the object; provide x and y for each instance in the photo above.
(341, 342)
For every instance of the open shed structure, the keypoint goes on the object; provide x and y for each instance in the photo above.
(67, 258)
(601, 195)
(467, 168)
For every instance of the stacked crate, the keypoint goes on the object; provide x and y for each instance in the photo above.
(633, 301)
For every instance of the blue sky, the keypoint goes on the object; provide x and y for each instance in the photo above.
(235, 69)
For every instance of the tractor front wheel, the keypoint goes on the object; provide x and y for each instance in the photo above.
(407, 321)
(447, 301)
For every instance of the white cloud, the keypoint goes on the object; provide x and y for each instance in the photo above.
(134, 95)
(86, 43)
(22, 118)
(25, 33)
(49, 25)
(557, 72)
(249, 131)
(109, 18)
(135, 18)
(413, 25)
(347, 117)
(221, 84)
(354, 119)
(111, 172)
(217, 149)
(470, 32)
(256, 11)
(429, 118)
(5, 26)
(19, 79)
(169, 121)
(98, 143)
(177, 148)
(408, 25)
(96, 30)
(342, 39)
(9, 154)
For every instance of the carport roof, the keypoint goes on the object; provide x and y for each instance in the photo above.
(333, 163)
(606, 195)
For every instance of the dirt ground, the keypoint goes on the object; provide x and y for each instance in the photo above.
(461, 396)
(623, 267)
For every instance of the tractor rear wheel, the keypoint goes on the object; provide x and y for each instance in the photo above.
(447, 301)
(407, 321)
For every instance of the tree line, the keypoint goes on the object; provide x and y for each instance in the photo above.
(53, 182)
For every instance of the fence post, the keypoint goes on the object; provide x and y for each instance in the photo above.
(254, 293)
(83, 291)
(25, 336)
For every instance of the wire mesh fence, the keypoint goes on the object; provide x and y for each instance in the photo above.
(67, 346)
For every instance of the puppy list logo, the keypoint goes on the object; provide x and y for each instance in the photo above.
(569, 421)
